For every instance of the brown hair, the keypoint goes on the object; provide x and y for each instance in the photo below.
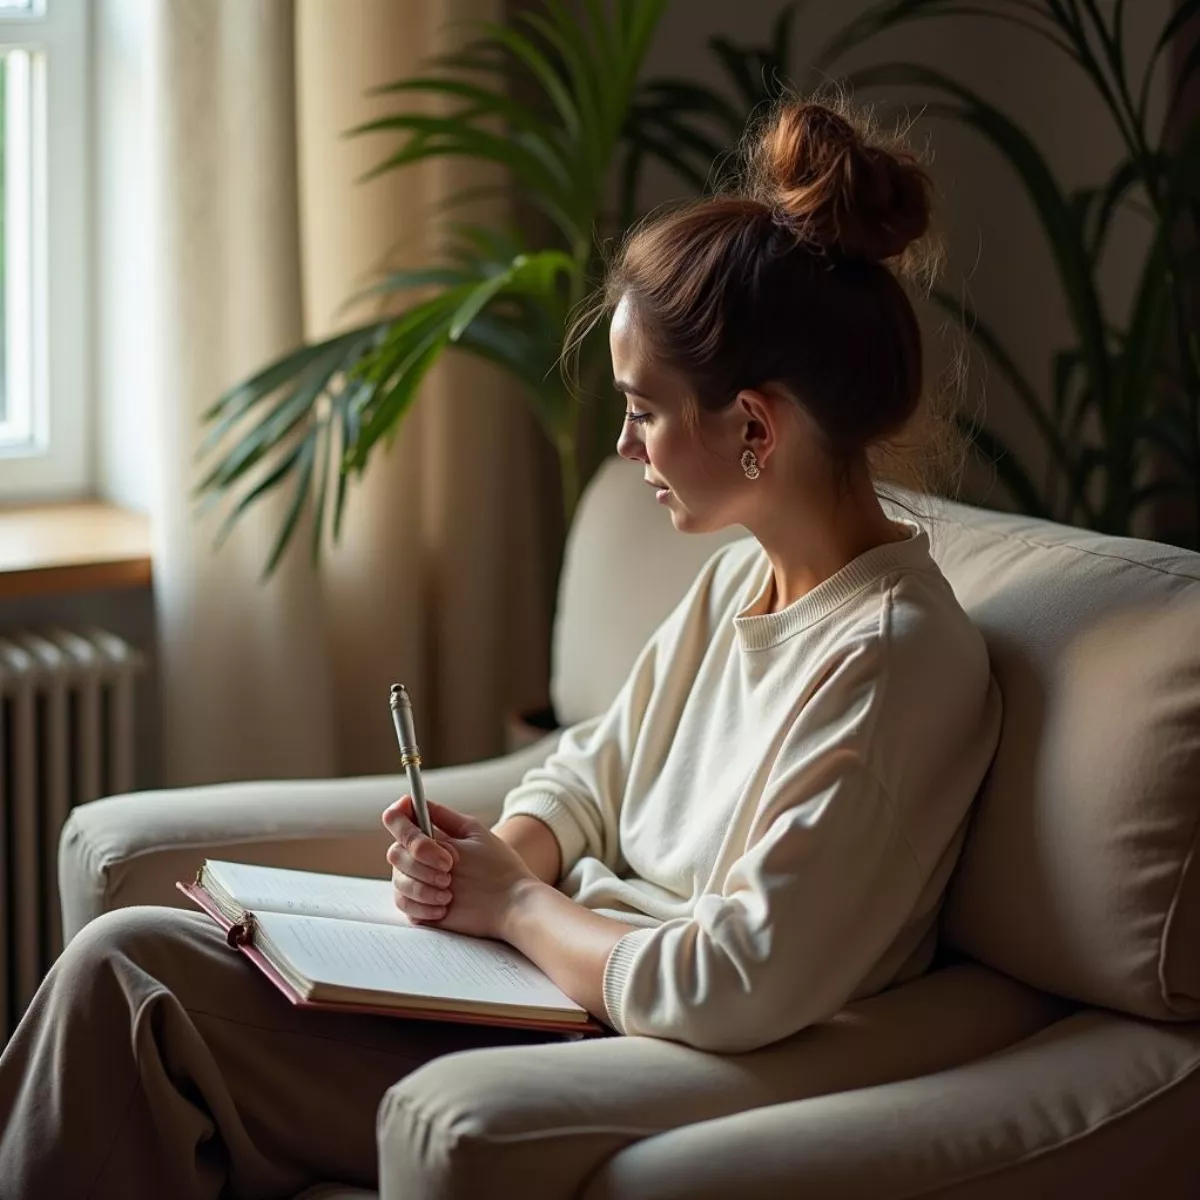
(795, 277)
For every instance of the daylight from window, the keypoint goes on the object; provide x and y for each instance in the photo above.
(16, 245)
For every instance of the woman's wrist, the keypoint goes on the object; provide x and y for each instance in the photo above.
(535, 842)
(567, 940)
(524, 900)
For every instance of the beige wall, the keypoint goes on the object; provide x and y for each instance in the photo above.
(996, 250)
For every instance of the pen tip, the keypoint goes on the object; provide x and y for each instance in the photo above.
(397, 689)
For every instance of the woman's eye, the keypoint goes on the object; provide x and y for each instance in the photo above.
(637, 418)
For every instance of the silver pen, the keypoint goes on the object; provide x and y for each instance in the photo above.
(410, 754)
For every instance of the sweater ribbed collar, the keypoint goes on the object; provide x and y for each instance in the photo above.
(762, 631)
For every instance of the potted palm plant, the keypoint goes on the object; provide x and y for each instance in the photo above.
(312, 419)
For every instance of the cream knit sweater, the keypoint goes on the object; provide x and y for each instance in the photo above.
(775, 799)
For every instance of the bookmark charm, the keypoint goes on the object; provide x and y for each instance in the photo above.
(241, 933)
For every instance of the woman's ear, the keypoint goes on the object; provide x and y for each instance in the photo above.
(759, 418)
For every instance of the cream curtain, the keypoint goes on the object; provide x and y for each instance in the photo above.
(261, 232)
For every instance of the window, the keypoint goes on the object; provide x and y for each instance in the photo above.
(44, 277)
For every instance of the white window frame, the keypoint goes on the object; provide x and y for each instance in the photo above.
(53, 461)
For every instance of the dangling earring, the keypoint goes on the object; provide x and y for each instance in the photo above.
(750, 464)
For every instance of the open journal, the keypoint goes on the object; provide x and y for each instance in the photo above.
(337, 942)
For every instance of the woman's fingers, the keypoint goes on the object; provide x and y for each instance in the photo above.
(453, 822)
(446, 840)
(418, 900)
(397, 818)
(403, 861)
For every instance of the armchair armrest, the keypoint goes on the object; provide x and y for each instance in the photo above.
(1097, 1105)
(546, 1118)
(131, 849)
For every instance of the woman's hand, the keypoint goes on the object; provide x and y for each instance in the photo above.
(464, 878)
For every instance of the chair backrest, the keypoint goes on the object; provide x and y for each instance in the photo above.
(1077, 874)
(624, 569)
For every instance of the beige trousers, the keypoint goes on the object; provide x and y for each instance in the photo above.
(156, 1062)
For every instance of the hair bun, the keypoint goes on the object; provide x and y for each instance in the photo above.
(839, 191)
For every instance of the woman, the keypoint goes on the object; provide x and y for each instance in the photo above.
(756, 832)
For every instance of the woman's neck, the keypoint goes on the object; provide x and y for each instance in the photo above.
(804, 554)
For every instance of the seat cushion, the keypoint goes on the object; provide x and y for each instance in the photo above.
(1095, 1107)
(1078, 874)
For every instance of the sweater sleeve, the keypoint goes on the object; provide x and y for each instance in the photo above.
(579, 790)
(824, 886)
(805, 915)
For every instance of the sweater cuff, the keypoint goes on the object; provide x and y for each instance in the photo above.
(555, 815)
(617, 971)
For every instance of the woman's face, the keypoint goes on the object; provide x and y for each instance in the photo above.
(695, 474)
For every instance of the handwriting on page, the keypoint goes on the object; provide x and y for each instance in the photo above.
(419, 962)
(311, 893)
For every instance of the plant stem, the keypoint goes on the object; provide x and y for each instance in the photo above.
(568, 471)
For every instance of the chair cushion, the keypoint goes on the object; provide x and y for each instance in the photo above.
(1078, 874)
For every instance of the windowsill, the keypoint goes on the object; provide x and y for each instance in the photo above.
(52, 549)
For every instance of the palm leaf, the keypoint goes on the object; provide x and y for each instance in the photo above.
(280, 420)
(543, 72)
(883, 16)
(1105, 200)
(533, 163)
(401, 281)
(233, 404)
(1168, 430)
(304, 474)
(781, 31)
(992, 449)
(1143, 346)
(981, 331)
(484, 101)
(346, 407)
(687, 100)
(664, 124)
(1058, 223)
(272, 480)
(1184, 12)
(738, 67)
(565, 36)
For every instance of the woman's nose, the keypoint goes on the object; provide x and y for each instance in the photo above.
(629, 445)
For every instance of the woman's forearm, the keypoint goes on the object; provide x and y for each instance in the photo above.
(569, 942)
(534, 842)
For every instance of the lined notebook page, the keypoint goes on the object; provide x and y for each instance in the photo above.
(309, 893)
(414, 961)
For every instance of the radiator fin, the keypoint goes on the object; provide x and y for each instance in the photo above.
(66, 737)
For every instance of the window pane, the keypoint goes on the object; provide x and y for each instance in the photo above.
(19, 5)
(3, 231)
(16, 248)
